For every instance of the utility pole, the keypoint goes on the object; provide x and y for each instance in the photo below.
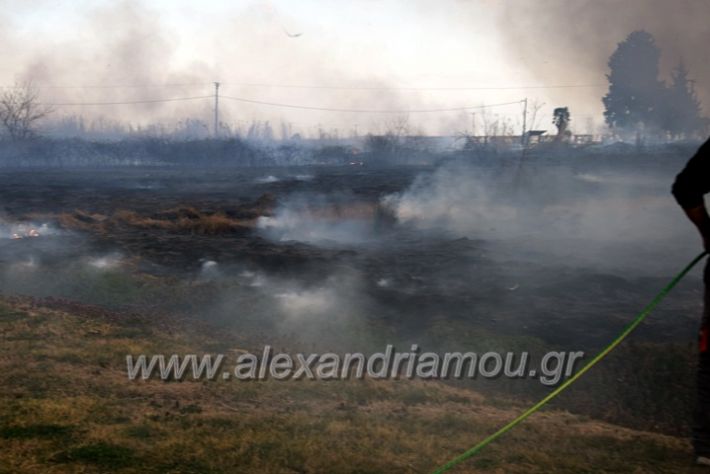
(525, 118)
(216, 108)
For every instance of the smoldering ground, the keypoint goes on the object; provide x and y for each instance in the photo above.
(489, 250)
(625, 219)
(552, 254)
(403, 248)
(323, 220)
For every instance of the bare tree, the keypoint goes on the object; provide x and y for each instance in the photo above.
(391, 142)
(535, 107)
(20, 110)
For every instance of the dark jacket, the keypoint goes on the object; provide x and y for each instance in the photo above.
(694, 181)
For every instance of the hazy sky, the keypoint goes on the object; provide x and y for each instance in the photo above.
(68, 48)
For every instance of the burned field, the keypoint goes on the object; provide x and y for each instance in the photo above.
(526, 265)
(353, 258)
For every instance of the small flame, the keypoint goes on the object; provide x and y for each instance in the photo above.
(29, 233)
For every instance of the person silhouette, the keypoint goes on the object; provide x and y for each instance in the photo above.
(689, 189)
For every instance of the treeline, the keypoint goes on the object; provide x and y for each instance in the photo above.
(236, 152)
(67, 152)
(158, 151)
(638, 101)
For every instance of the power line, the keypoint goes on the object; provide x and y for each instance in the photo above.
(283, 105)
(315, 86)
(398, 88)
(147, 101)
(369, 111)
(108, 86)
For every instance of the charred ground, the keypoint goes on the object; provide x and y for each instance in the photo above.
(354, 257)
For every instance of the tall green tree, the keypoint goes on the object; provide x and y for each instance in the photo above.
(635, 92)
(682, 109)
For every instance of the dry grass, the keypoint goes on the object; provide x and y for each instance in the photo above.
(81, 220)
(178, 220)
(67, 406)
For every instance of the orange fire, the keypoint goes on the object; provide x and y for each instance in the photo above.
(28, 233)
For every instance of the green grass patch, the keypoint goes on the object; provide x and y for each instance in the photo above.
(34, 431)
(101, 453)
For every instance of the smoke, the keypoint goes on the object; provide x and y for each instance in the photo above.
(589, 217)
(454, 199)
(139, 43)
(332, 312)
(570, 42)
(268, 179)
(132, 43)
(328, 310)
(308, 303)
(322, 220)
(106, 262)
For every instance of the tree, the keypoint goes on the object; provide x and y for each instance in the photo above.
(20, 110)
(561, 119)
(682, 108)
(635, 92)
(392, 141)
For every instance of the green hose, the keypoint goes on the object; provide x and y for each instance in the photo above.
(638, 320)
